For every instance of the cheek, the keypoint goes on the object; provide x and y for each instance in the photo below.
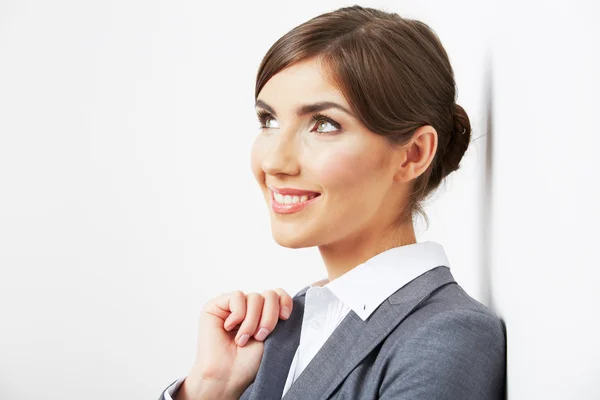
(335, 170)
(344, 172)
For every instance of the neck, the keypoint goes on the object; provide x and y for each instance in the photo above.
(341, 256)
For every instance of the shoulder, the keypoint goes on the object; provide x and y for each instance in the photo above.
(452, 307)
(450, 304)
(454, 331)
(451, 346)
(452, 319)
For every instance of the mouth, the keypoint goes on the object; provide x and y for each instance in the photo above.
(287, 201)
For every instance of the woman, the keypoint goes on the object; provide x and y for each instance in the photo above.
(358, 126)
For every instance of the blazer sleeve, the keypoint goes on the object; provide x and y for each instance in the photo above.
(171, 390)
(456, 354)
(247, 392)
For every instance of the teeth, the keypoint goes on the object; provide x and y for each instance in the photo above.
(287, 199)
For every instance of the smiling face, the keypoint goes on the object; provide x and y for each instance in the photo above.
(324, 175)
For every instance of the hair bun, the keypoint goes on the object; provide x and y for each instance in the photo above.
(459, 140)
(462, 124)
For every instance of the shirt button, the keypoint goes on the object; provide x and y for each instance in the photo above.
(316, 324)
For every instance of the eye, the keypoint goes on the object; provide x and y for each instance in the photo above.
(264, 117)
(323, 120)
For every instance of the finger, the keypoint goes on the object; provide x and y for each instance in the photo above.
(254, 305)
(286, 303)
(269, 316)
(237, 307)
(219, 306)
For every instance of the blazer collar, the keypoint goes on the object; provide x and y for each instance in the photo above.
(353, 337)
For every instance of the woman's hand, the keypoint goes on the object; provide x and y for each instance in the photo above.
(231, 331)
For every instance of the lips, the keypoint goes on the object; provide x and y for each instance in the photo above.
(287, 200)
(292, 192)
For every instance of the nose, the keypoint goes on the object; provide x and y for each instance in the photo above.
(281, 157)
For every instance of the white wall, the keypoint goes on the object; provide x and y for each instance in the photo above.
(545, 196)
(127, 201)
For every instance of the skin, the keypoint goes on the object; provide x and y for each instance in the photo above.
(225, 364)
(363, 181)
(363, 184)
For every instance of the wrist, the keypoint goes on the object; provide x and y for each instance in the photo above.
(197, 386)
(192, 389)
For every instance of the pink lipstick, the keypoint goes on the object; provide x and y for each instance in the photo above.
(287, 200)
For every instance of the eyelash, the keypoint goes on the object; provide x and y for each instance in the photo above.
(264, 116)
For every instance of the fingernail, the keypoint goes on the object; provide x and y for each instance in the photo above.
(285, 311)
(262, 334)
(243, 339)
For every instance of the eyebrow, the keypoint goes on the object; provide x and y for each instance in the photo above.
(307, 108)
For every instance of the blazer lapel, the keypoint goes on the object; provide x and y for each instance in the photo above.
(352, 340)
(278, 353)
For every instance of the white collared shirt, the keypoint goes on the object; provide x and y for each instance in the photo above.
(361, 290)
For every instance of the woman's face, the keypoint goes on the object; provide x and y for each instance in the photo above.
(324, 175)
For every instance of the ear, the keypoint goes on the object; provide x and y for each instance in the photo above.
(416, 156)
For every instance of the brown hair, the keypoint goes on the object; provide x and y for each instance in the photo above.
(394, 73)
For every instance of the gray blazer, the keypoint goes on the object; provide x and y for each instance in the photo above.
(428, 340)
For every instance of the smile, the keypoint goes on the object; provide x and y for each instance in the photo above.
(287, 201)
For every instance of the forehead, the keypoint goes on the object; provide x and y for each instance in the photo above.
(301, 83)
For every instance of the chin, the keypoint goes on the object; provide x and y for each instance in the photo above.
(292, 240)
(289, 242)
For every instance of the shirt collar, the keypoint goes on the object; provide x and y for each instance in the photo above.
(367, 285)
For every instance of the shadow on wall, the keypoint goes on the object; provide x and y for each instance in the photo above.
(487, 208)
(505, 358)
